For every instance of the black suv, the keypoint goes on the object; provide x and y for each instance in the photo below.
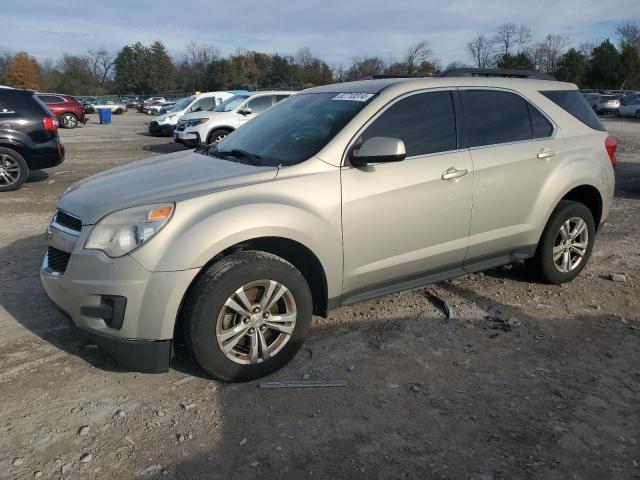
(28, 137)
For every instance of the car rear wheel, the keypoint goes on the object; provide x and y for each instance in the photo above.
(118, 111)
(13, 170)
(247, 316)
(69, 120)
(566, 243)
(215, 136)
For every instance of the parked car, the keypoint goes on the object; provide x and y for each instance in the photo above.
(66, 108)
(209, 127)
(629, 108)
(331, 197)
(166, 107)
(28, 137)
(115, 107)
(608, 104)
(593, 99)
(164, 124)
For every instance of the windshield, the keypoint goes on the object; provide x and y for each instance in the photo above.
(293, 130)
(230, 103)
(182, 104)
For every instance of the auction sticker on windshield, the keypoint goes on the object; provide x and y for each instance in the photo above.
(353, 97)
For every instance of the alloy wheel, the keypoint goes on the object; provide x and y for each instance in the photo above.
(256, 322)
(9, 170)
(571, 244)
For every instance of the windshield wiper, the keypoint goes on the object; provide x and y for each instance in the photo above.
(237, 153)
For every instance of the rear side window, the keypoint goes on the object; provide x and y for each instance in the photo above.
(425, 122)
(260, 104)
(495, 117)
(281, 97)
(50, 99)
(574, 103)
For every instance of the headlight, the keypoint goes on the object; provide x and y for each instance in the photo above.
(197, 121)
(120, 232)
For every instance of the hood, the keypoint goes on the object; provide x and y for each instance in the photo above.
(165, 178)
(161, 118)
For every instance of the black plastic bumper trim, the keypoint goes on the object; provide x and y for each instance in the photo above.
(148, 356)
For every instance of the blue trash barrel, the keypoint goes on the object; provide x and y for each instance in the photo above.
(105, 115)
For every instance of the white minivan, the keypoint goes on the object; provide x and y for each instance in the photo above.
(165, 124)
(208, 127)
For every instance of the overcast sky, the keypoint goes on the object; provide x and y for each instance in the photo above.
(336, 31)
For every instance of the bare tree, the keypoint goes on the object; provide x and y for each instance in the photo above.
(523, 39)
(100, 63)
(547, 53)
(416, 55)
(198, 57)
(586, 49)
(505, 37)
(481, 49)
(303, 57)
(628, 34)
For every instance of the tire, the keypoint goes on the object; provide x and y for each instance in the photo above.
(543, 262)
(118, 111)
(214, 290)
(69, 120)
(617, 114)
(216, 135)
(13, 170)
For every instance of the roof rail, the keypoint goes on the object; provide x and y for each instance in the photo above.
(495, 72)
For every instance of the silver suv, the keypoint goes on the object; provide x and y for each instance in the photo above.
(341, 193)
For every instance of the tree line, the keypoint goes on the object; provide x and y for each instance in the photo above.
(145, 70)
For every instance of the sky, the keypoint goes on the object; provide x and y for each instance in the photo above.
(335, 30)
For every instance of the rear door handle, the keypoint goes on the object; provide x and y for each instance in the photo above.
(453, 173)
(546, 154)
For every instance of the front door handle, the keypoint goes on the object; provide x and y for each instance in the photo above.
(453, 173)
(546, 154)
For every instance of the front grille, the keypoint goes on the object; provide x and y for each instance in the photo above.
(68, 221)
(57, 260)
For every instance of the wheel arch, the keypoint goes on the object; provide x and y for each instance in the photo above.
(299, 255)
(226, 128)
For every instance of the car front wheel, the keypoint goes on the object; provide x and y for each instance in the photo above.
(566, 243)
(247, 315)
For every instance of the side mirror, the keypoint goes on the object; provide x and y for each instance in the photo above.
(196, 109)
(245, 111)
(378, 150)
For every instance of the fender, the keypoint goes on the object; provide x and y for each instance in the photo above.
(204, 227)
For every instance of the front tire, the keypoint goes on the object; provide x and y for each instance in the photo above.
(215, 136)
(69, 120)
(247, 315)
(566, 243)
(13, 170)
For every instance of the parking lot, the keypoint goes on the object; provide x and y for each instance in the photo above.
(524, 380)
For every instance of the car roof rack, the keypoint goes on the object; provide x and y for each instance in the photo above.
(495, 72)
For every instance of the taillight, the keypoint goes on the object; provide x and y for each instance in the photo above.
(50, 124)
(611, 144)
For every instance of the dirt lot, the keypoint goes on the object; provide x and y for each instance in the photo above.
(524, 381)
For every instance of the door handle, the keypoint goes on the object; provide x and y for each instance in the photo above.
(546, 154)
(453, 173)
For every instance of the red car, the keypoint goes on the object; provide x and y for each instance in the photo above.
(67, 109)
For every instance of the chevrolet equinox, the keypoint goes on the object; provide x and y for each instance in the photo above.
(341, 193)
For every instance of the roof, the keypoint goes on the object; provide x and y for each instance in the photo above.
(376, 86)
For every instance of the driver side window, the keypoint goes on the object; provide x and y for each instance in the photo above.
(425, 122)
(259, 104)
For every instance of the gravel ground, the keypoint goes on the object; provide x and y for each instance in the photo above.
(524, 380)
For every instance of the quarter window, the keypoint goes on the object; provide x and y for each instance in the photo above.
(425, 122)
(541, 127)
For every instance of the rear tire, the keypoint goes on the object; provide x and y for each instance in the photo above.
(13, 170)
(566, 243)
(69, 120)
(213, 316)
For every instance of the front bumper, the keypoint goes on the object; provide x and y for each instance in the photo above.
(143, 341)
(187, 137)
(156, 128)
